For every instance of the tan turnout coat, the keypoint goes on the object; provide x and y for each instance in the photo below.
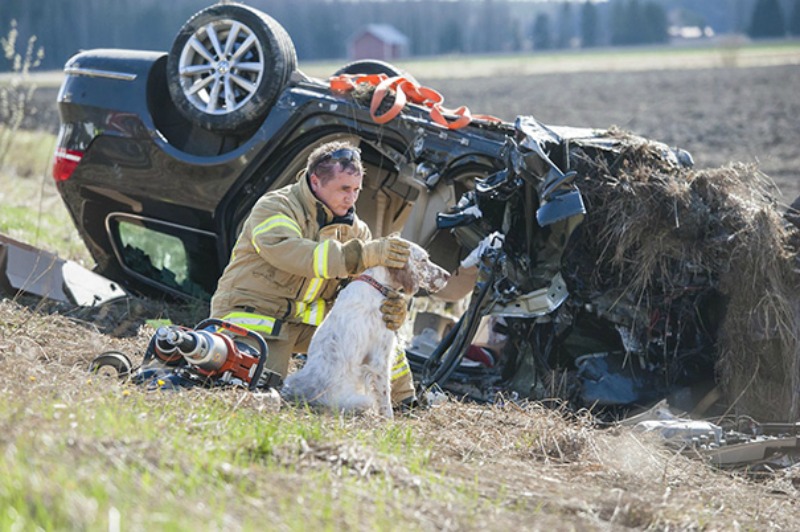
(287, 263)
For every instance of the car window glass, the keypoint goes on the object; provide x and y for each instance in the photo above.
(166, 255)
(159, 256)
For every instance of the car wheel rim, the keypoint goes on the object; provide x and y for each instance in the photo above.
(221, 67)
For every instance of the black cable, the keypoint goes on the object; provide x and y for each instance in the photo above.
(459, 335)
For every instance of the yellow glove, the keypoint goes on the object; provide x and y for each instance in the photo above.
(388, 251)
(394, 312)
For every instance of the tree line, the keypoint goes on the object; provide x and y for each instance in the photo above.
(321, 29)
(770, 21)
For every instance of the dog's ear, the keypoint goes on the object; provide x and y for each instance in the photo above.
(406, 277)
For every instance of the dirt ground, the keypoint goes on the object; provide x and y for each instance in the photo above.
(720, 115)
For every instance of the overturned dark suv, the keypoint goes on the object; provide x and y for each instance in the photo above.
(161, 156)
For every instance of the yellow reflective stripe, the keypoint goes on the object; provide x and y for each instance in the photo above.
(253, 322)
(402, 373)
(314, 312)
(401, 367)
(321, 259)
(311, 313)
(320, 266)
(400, 356)
(314, 286)
(279, 220)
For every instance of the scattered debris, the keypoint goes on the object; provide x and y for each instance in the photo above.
(26, 269)
(734, 444)
(662, 282)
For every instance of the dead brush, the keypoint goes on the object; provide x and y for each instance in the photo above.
(16, 95)
(758, 348)
(662, 228)
(507, 430)
(52, 342)
(364, 93)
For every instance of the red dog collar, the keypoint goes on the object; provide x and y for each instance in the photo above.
(383, 289)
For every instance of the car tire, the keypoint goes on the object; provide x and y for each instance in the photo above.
(214, 84)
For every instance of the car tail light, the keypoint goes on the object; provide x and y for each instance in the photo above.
(66, 161)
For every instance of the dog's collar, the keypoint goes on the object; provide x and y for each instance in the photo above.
(383, 289)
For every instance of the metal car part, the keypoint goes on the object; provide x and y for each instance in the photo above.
(26, 269)
(111, 364)
(533, 304)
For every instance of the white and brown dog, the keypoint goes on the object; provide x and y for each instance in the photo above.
(349, 357)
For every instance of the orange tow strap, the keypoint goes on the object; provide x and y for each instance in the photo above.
(406, 90)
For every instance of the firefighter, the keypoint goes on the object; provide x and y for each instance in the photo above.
(295, 248)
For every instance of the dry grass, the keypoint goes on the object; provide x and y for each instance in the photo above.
(672, 238)
(232, 459)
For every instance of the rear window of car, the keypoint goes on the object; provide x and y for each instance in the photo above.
(166, 255)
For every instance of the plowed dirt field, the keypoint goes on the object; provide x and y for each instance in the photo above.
(721, 115)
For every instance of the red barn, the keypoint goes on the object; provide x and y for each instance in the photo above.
(378, 41)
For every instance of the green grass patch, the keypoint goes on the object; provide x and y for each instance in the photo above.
(193, 461)
(49, 228)
(30, 154)
(31, 209)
